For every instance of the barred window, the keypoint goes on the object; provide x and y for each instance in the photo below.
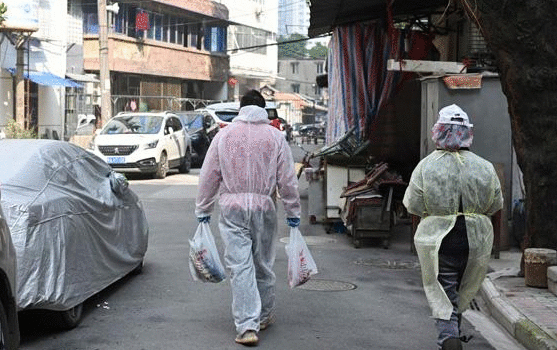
(244, 37)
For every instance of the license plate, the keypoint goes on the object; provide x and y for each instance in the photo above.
(116, 160)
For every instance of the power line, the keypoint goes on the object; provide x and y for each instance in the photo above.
(278, 43)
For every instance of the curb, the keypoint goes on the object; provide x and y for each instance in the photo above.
(519, 326)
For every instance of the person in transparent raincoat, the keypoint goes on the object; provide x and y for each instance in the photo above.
(247, 162)
(456, 193)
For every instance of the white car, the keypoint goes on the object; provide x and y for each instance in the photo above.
(223, 113)
(144, 142)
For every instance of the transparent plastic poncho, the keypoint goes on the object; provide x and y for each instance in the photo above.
(437, 185)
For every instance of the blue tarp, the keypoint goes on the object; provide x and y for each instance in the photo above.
(45, 78)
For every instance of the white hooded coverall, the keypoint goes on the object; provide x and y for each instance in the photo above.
(437, 185)
(247, 162)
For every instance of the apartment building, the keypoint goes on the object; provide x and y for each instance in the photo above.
(252, 35)
(297, 75)
(164, 49)
(293, 17)
(161, 49)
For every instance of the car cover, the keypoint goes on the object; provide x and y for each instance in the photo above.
(75, 224)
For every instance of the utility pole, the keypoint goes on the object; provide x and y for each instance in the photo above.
(106, 105)
(19, 84)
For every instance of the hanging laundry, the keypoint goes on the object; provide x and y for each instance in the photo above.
(142, 20)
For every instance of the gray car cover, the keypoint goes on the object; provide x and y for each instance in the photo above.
(75, 224)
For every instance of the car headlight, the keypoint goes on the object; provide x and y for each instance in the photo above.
(152, 144)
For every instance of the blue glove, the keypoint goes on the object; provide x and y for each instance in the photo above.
(206, 219)
(293, 222)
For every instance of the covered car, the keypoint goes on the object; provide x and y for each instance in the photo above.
(75, 225)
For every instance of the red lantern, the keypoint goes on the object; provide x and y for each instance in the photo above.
(232, 81)
(142, 21)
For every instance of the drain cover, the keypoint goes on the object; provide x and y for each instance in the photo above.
(389, 264)
(327, 285)
(312, 240)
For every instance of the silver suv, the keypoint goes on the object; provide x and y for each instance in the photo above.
(144, 142)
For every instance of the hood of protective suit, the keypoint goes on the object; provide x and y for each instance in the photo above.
(252, 114)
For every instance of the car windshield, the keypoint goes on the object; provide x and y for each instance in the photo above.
(133, 124)
(192, 121)
(226, 116)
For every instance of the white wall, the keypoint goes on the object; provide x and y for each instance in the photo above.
(47, 53)
(262, 67)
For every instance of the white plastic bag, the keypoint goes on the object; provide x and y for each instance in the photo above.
(204, 261)
(300, 262)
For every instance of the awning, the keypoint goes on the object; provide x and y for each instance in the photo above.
(47, 79)
(327, 14)
(86, 78)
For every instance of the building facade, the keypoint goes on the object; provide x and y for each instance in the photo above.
(42, 54)
(252, 35)
(298, 76)
(293, 18)
(161, 50)
(166, 50)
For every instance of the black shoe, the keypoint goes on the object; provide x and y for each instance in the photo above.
(452, 344)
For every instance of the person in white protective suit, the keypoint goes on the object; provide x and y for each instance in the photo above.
(457, 194)
(247, 162)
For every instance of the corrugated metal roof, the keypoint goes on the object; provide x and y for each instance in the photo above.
(327, 14)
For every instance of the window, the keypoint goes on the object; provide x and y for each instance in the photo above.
(162, 27)
(90, 19)
(316, 90)
(296, 88)
(180, 33)
(215, 39)
(295, 67)
(193, 34)
(320, 67)
(243, 37)
(172, 30)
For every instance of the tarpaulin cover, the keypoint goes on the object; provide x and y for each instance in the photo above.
(75, 224)
(360, 84)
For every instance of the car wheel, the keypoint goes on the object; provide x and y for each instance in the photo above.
(186, 163)
(138, 269)
(5, 341)
(162, 167)
(69, 319)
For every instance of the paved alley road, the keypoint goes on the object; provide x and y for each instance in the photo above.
(367, 298)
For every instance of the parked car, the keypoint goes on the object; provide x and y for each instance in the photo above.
(222, 113)
(202, 128)
(144, 142)
(225, 112)
(9, 325)
(75, 225)
(312, 131)
(85, 124)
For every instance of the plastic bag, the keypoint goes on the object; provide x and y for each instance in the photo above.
(300, 262)
(204, 260)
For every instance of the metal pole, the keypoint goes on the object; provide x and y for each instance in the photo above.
(106, 107)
